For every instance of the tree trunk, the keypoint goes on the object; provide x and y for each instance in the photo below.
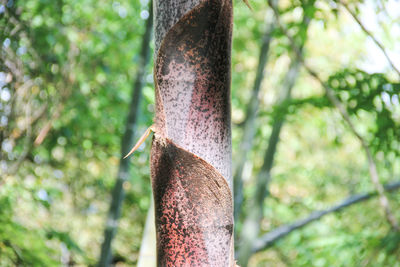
(383, 200)
(147, 254)
(126, 143)
(191, 150)
(252, 224)
(249, 122)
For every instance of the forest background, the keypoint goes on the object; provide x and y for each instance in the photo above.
(76, 76)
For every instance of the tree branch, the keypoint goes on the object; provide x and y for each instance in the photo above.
(270, 238)
(346, 117)
(367, 32)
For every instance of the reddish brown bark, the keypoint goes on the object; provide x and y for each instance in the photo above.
(192, 76)
(193, 206)
(191, 151)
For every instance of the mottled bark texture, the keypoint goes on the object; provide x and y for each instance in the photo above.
(191, 151)
(192, 75)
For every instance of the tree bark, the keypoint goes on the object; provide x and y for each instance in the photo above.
(191, 150)
(126, 142)
(192, 76)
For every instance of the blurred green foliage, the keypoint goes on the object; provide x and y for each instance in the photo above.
(66, 74)
(376, 96)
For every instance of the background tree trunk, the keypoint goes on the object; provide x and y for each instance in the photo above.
(249, 126)
(251, 226)
(127, 142)
(252, 223)
(147, 254)
(375, 179)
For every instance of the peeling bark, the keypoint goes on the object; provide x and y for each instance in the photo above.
(192, 84)
(191, 150)
(193, 207)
